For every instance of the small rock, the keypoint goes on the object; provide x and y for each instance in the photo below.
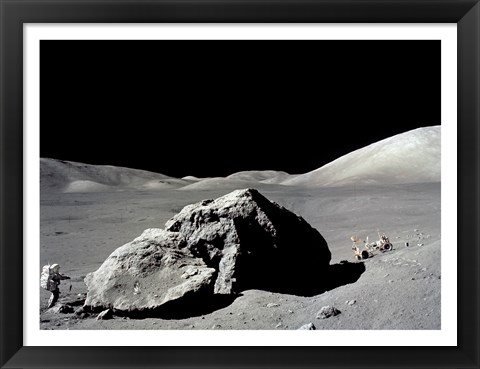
(216, 326)
(327, 312)
(386, 275)
(61, 308)
(351, 302)
(279, 325)
(105, 315)
(240, 313)
(272, 304)
(58, 324)
(307, 327)
(415, 230)
(390, 281)
(252, 318)
(413, 279)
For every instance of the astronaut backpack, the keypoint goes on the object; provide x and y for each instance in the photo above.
(46, 281)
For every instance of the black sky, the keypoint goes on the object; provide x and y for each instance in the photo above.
(212, 108)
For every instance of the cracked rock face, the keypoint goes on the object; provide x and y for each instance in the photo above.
(146, 273)
(239, 241)
(252, 242)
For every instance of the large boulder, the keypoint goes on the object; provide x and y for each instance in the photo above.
(253, 243)
(239, 241)
(148, 272)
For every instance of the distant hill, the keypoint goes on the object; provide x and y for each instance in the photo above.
(68, 176)
(263, 176)
(215, 183)
(410, 157)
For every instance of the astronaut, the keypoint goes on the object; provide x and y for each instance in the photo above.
(50, 280)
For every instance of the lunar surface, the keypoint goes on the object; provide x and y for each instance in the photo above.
(391, 187)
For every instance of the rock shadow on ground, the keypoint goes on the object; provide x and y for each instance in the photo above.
(184, 308)
(314, 282)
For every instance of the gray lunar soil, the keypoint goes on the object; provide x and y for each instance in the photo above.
(399, 289)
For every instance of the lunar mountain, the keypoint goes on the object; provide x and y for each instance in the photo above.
(410, 157)
(72, 177)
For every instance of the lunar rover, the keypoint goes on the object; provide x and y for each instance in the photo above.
(382, 245)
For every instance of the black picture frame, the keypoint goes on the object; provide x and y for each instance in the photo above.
(14, 13)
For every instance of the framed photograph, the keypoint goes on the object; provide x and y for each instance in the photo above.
(224, 184)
